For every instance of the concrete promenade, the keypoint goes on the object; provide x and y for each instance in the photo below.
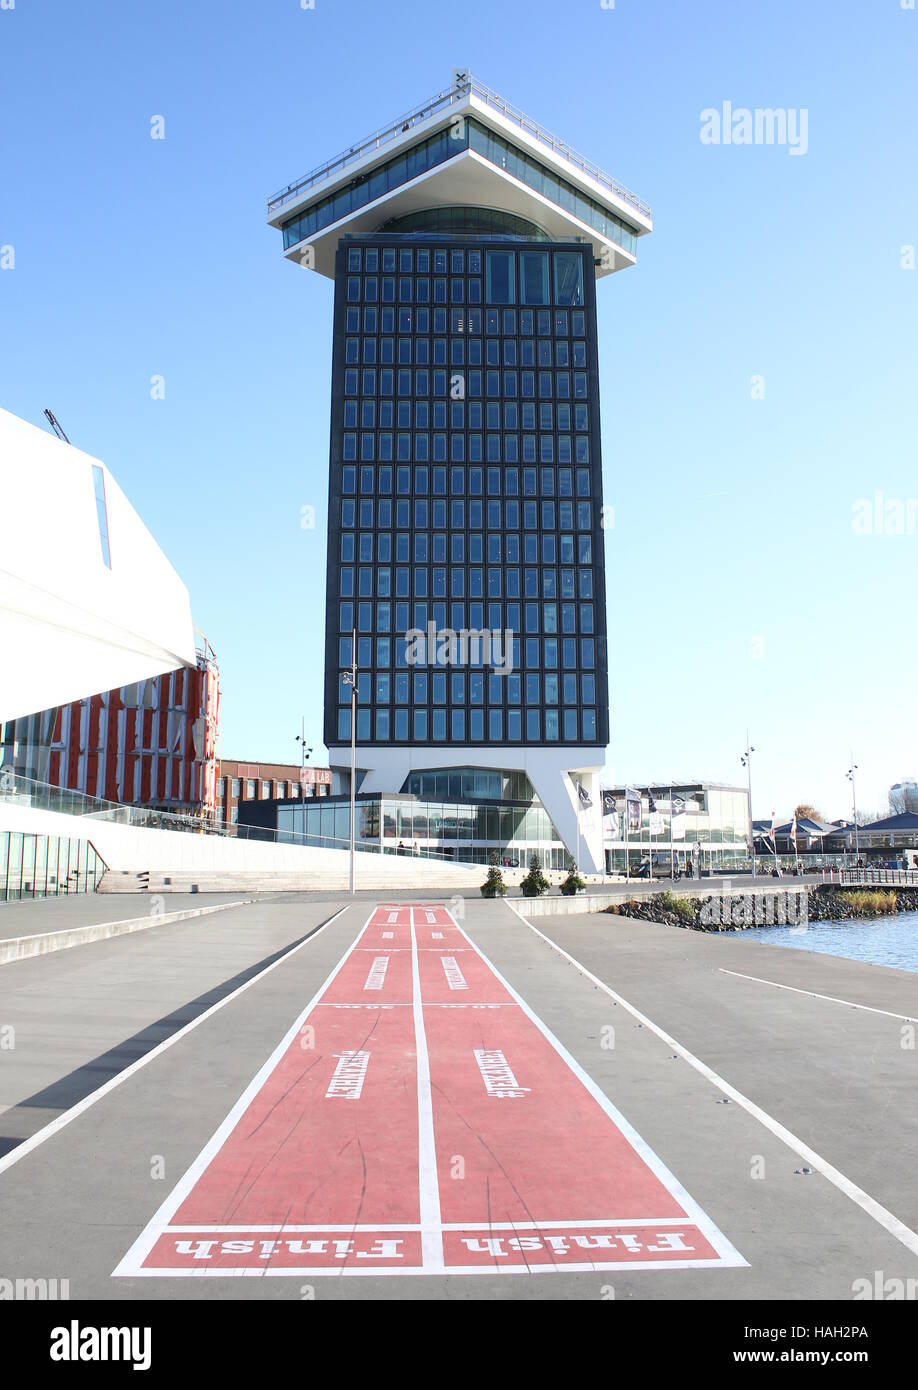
(120, 1060)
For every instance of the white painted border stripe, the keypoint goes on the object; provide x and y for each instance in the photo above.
(428, 1176)
(870, 1205)
(728, 1255)
(345, 1271)
(290, 1229)
(294, 1229)
(48, 1131)
(131, 1262)
(812, 994)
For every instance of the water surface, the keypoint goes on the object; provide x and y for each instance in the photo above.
(889, 941)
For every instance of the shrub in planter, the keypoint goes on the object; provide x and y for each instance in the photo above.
(493, 886)
(573, 883)
(535, 883)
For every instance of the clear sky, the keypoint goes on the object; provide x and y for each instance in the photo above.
(741, 591)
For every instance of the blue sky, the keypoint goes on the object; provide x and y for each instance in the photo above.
(740, 591)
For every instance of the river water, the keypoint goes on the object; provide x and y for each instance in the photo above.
(889, 941)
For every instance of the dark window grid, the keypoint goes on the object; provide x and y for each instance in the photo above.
(533, 576)
(563, 710)
(578, 488)
(547, 490)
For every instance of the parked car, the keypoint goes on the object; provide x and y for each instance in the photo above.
(662, 867)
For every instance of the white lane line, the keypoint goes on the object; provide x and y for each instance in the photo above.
(812, 994)
(392, 1272)
(130, 1264)
(428, 1177)
(728, 1255)
(870, 1205)
(48, 1131)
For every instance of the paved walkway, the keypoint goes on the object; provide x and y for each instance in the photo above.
(655, 1061)
(38, 915)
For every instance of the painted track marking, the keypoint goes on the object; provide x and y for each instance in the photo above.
(263, 1159)
(428, 1178)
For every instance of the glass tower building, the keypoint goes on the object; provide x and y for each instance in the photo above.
(465, 523)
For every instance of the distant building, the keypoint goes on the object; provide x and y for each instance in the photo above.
(893, 840)
(813, 837)
(903, 797)
(697, 825)
(238, 783)
(456, 813)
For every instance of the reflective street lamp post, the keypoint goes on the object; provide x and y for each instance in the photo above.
(746, 760)
(350, 678)
(857, 843)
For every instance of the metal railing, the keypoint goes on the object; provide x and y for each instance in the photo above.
(902, 878)
(458, 92)
(46, 866)
(43, 796)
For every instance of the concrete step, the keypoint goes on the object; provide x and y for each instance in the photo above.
(419, 876)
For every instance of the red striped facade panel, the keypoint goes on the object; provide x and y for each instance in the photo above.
(151, 743)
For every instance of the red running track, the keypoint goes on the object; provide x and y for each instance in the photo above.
(418, 1118)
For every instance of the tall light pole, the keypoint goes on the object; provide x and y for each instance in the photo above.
(746, 760)
(307, 753)
(350, 678)
(851, 771)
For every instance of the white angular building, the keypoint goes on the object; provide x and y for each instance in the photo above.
(88, 600)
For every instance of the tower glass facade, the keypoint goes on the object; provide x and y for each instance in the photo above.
(466, 493)
(465, 577)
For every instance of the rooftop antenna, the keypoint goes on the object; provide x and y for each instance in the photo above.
(55, 425)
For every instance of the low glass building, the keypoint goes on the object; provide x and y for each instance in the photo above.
(711, 827)
(457, 813)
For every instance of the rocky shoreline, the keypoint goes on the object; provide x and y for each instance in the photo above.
(825, 903)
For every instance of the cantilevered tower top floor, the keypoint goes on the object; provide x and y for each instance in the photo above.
(465, 162)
